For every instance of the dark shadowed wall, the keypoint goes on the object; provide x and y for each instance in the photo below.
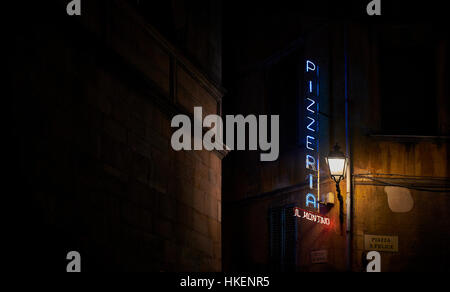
(93, 98)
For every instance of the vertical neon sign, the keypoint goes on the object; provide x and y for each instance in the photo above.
(311, 114)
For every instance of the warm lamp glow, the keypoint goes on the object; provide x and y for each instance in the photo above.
(337, 163)
(336, 166)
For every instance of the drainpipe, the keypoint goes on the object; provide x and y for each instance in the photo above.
(348, 154)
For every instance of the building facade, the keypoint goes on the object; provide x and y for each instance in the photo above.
(381, 95)
(93, 170)
(93, 100)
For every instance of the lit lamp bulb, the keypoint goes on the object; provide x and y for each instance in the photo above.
(337, 164)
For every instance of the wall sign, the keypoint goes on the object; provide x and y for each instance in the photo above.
(312, 216)
(381, 243)
(311, 123)
(319, 256)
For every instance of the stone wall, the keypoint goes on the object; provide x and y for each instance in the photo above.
(93, 98)
(417, 212)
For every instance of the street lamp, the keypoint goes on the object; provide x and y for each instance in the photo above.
(337, 164)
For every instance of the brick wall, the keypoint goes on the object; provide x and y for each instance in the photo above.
(92, 105)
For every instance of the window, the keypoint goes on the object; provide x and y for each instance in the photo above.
(408, 81)
(283, 239)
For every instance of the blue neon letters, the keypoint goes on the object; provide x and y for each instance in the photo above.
(311, 112)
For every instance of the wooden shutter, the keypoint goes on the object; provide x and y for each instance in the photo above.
(283, 239)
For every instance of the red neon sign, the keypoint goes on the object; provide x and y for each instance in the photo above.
(312, 216)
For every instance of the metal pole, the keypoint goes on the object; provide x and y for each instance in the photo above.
(348, 154)
(341, 206)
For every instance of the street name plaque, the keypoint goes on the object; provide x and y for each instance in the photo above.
(381, 243)
(319, 256)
